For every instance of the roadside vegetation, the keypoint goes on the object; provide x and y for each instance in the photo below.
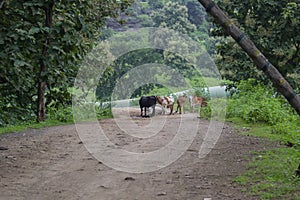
(257, 110)
(39, 62)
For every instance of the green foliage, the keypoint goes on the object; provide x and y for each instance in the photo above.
(156, 3)
(30, 124)
(11, 114)
(271, 25)
(27, 43)
(174, 16)
(60, 113)
(215, 109)
(121, 69)
(146, 20)
(103, 112)
(257, 104)
(197, 14)
(205, 112)
(289, 132)
(124, 67)
(271, 174)
(158, 91)
(254, 103)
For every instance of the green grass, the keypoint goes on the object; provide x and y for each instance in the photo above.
(33, 125)
(257, 130)
(62, 117)
(271, 173)
(211, 81)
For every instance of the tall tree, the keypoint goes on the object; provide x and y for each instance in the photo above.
(42, 43)
(174, 16)
(174, 23)
(41, 109)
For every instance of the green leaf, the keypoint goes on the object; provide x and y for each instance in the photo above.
(20, 63)
(34, 30)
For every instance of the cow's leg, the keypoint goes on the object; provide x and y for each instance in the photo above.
(162, 110)
(141, 111)
(171, 109)
(165, 109)
(177, 108)
(153, 112)
(180, 109)
(200, 103)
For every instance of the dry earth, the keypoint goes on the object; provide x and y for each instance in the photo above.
(52, 163)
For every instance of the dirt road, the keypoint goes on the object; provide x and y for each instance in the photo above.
(53, 163)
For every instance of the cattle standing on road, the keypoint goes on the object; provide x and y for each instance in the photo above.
(166, 102)
(181, 101)
(147, 102)
(195, 100)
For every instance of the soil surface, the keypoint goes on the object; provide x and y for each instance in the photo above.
(53, 163)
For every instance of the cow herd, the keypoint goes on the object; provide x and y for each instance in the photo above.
(168, 102)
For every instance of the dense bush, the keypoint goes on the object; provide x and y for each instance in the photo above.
(215, 109)
(10, 114)
(60, 113)
(257, 103)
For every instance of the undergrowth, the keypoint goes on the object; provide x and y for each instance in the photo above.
(259, 111)
(58, 115)
(255, 103)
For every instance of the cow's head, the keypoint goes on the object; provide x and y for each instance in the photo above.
(204, 103)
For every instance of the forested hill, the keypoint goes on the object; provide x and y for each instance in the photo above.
(142, 12)
(185, 17)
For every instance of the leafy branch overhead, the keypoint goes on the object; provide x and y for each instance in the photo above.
(274, 26)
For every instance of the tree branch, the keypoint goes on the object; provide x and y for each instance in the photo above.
(2, 3)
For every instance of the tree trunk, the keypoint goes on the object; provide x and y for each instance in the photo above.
(41, 108)
(258, 58)
(41, 112)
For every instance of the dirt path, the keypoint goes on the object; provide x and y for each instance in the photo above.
(53, 163)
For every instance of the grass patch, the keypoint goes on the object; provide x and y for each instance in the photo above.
(257, 130)
(33, 125)
(270, 174)
(56, 118)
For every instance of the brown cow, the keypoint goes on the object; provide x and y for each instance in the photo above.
(166, 102)
(195, 100)
(181, 101)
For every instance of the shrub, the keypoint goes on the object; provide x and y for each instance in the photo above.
(10, 114)
(103, 112)
(62, 113)
(290, 132)
(215, 109)
(256, 103)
